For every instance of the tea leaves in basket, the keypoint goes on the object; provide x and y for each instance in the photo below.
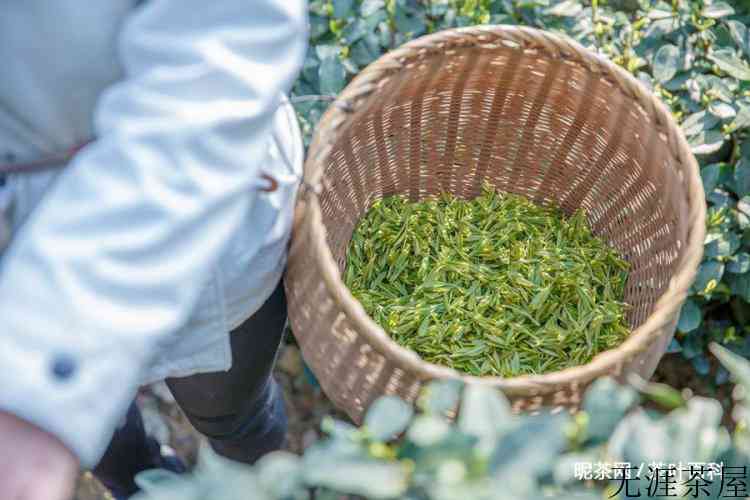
(492, 286)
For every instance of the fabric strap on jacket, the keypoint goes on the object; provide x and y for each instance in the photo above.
(55, 160)
(59, 160)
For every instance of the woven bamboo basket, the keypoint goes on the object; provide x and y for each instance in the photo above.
(533, 113)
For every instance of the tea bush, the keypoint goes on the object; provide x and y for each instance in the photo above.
(488, 453)
(694, 54)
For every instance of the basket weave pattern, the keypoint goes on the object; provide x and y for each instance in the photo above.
(531, 113)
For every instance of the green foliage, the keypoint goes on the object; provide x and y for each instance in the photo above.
(486, 453)
(496, 285)
(694, 54)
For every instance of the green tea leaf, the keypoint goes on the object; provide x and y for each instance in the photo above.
(280, 473)
(370, 7)
(709, 275)
(690, 316)
(738, 367)
(408, 21)
(366, 477)
(739, 284)
(742, 177)
(607, 402)
(722, 110)
(387, 417)
(484, 412)
(532, 447)
(699, 122)
(739, 264)
(740, 35)
(666, 62)
(427, 430)
(717, 10)
(664, 395)
(707, 142)
(714, 174)
(152, 479)
(342, 9)
(566, 8)
(728, 62)
(721, 244)
(332, 75)
(742, 119)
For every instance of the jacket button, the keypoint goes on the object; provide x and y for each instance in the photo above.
(63, 367)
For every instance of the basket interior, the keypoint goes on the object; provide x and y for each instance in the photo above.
(548, 129)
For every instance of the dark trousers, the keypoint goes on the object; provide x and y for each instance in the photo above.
(241, 411)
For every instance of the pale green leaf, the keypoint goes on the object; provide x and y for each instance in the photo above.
(721, 244)
(717, 10)
(427, 430)
(722, 110)
(607, 402)
(738, 367)
(714, 174)
(354, 31)
(740, 35)
(708, 142)
(742, 119)
(662, 11)
(739, 264)
(387, 417)
(441, 396)
(698, 122)
(690, 316)
(279, 473)
(666, 62)
(728, 62)
(709, 272)
(370, 7)
(484, 412)
(566, 8)
(154, 479)
(342, 9)
(366, 477)
(332, 75)
(742, 177)
(532, 448)
(408, 22)
(665, 396)
(739, 284)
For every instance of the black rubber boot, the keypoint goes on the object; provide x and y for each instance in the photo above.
(131, 451)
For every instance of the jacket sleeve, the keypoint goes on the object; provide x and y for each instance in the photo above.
(112, 260)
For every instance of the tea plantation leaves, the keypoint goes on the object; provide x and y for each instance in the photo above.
(690, 316)
(609, 402)
(694, 54)
(666, 63)
(530, 457)
(387, 417)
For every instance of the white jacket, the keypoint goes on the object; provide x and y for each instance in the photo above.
(135, 261)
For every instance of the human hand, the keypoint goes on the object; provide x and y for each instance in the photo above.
(34, 465)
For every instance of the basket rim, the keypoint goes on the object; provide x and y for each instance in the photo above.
(554, 45)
